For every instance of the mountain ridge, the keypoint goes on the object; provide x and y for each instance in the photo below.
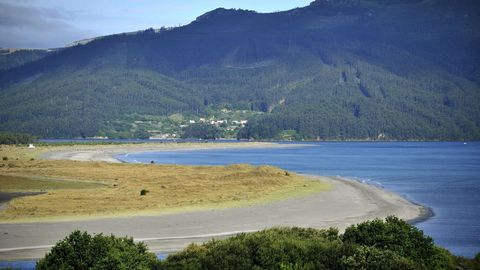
(330, 70)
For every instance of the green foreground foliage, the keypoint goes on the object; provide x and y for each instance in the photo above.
(377, 244)
(82, 251)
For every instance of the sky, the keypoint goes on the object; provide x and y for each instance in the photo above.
(56, 23)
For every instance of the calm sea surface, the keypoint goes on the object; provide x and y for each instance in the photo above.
(442, 176)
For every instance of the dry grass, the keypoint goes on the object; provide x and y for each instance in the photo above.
(93, 189)
(21, 184)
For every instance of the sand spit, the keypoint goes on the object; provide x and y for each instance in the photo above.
(348, 202)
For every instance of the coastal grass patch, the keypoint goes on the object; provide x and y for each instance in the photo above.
(9, 183)
(116, 188)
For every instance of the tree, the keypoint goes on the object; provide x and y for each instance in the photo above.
(202, 131)
(398, 236)
(141, 134)
(81, 251)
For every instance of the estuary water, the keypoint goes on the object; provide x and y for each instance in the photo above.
(444, 176)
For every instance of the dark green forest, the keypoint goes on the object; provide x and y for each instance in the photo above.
(16, 138)
(202, 131)
(334, 70)
(378, 244)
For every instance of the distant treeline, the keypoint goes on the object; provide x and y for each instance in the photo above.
(16, 138)
(377, 244)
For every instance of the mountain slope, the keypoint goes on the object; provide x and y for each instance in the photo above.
(11, 58)
(338, 69)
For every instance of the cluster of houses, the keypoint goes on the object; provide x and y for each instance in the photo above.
(228, 125)
(164, 136)
(219, 122)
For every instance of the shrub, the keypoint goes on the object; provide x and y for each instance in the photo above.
(399, 237)
(143, 192)
(390, 244)
(5, 158)
(82, 251)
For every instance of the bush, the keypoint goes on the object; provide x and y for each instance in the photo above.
(390, 244)
(82, 251)
(397, 236)
(5, 158)
(143, 192)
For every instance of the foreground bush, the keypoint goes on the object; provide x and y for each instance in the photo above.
(81, 251)
(390, 244)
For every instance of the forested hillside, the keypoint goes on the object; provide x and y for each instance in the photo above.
(339, 69)
(10, 58)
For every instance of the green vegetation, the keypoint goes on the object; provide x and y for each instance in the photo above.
(202, 131)
(82, 251)
(227, 121)
(390, 244)
(377, 244)
(16, 138)
(11, 58)
(368, 70)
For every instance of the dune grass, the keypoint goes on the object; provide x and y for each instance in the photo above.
(80, 190)
(22, 184)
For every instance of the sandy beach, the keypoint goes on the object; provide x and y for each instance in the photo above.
(348, 202)
(107, 153)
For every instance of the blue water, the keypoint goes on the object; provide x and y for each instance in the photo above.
(443, 176)
(23, 265)
(30, 264)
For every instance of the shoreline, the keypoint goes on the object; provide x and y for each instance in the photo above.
(425, 214)
(6, 197)
(109, 153)
(348, 202)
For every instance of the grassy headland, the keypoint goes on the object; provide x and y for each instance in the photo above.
(85, 189)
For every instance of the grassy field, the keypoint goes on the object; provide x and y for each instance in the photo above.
(35, 184)
(79, 190)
